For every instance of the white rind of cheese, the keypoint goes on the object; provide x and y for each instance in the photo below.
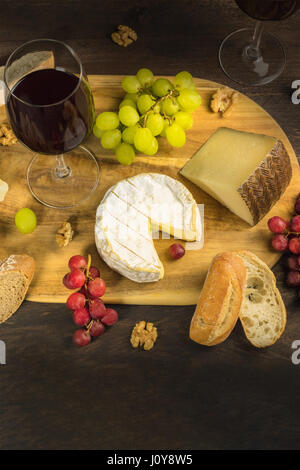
(245, 172)
(3, 190)
(128, 213)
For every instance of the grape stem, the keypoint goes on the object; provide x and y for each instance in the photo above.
(171, 94)
(89, 326)
(87, 271)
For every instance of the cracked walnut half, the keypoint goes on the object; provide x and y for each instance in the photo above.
(64, 234)
(143, 334)
(222, 101)
(124, 36)
(7, 137)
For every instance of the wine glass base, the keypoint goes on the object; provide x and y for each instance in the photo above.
(242, 66)
(63, 192)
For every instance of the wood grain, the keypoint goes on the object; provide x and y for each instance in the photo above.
(184, 278)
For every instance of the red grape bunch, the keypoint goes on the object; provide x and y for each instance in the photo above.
(286, 239)
(89, 310)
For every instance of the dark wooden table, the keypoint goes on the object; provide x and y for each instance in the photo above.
(180, 395)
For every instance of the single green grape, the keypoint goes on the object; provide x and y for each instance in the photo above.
(25, 220)
(145, 77)
(107, 121)
(166, 124)
(143, 139)
(175, 135)
(110, 139)
(127, 102)
(125, 153)
(131, 84)
(144, 103)
(189, 100)
(97, 132)
(184, 119)
(161, 87)
(183, 80)
(155, 122)
(170, 106)
(153, 147)
(156, 108)
(131, 96)
(128, 116)
(193, 87)
(129, 133)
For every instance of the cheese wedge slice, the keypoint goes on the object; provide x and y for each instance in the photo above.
(131, 210)
(245, 172)
(3, 189)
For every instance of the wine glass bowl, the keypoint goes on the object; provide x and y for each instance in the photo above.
(256, 57)
(50, 107)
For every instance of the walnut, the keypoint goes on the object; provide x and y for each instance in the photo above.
(124, 36)
(143, 335)
(64, 235)
(222, 101)
(7, 137)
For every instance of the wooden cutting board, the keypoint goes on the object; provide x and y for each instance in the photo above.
(183, 278)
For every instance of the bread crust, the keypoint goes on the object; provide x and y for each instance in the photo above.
(220, 301)
(256, 260)
(21, 264)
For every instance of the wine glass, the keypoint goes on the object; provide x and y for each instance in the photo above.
(256, 58)
(51, 111)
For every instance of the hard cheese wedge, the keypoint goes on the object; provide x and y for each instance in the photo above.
(245, 172)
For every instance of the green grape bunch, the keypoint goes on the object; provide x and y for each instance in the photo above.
(151, 108)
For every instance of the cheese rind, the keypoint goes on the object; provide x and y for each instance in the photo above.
(245, 172)
(127, 215)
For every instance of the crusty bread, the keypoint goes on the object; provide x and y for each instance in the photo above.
(220, 301)
(263, 313)
(16, 273)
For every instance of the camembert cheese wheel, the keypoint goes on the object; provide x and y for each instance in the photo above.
(245, 172)
(128, 214)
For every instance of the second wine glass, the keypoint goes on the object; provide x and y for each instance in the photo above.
(256, 57)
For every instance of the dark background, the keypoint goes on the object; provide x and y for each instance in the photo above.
(180, 395)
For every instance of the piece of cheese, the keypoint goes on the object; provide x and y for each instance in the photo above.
(245, 172)
(3, 190)
(128, 213)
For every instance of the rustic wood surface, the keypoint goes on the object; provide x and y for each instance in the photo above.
(179, 395)
(223, 230)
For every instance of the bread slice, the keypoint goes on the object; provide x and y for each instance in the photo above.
(16, 273)
(220, 301)
(263, 314)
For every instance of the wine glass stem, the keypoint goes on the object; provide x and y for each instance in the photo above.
(61, 170)
(254, 48)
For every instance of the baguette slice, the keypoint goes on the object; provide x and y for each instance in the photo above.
(16, 273)
(220, 301)
(263, 314)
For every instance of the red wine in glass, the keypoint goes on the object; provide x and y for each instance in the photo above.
(45, 112)
(269, 10)
(51, 110)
